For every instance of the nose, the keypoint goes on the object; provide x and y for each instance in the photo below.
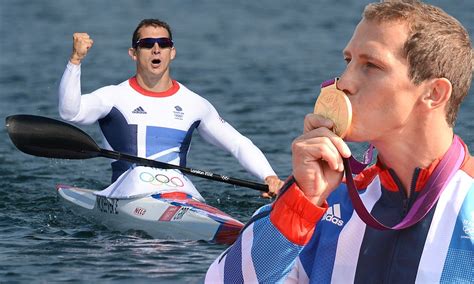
(346, 83)
(156, 48)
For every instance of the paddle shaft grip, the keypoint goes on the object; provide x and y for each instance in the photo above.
(200, 173)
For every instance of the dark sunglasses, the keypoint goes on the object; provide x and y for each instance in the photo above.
(149, 42)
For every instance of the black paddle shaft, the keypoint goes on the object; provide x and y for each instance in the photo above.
(190, 171)
(50, 138)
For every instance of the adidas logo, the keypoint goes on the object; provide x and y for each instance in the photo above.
(139, 110)
(333, 215)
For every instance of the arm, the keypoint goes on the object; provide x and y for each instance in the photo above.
(72, 105)
(268, 248)
(277, 239)
(220, 133)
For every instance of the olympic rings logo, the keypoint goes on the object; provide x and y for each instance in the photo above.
(161, 179)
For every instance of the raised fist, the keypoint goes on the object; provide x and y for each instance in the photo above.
(81, 44)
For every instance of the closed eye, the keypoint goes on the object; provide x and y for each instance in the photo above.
(371, 65)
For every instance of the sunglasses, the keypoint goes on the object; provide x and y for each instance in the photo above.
(149, 42)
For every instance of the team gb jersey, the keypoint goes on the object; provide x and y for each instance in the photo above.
(154, 125)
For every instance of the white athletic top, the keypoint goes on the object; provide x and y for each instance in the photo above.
(153, 125)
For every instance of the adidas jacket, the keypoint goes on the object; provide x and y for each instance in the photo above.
(293, 241)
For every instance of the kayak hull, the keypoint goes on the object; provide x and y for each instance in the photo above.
(172, 216)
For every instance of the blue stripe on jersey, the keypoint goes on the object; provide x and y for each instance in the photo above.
(267, 271)
(233, 263)
(118, 168)
(326, 244)
(183, 151)
(392, 255)
(120, 135)
(307, 255)
(168, 157)
(459, 263)
(161, 138)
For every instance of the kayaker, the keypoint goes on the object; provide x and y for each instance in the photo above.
(409, 66)
(152, 115)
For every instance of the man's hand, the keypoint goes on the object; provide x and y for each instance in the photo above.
(81, 44)
(274, 185)
(317, 159)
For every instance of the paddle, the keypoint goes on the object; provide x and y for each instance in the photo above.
(50, 138)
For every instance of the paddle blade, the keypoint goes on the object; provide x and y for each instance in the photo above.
(46, 137)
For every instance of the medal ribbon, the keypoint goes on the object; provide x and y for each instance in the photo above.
(428, 196)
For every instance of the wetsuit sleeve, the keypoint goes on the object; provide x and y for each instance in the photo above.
(267, 250)
(221, 134)
(74, 107)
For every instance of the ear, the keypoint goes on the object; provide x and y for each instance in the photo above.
(133, 53)
(173, 53)
(439, 92)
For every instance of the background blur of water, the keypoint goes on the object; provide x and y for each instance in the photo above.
(259, 62)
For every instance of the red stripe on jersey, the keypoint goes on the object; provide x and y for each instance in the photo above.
(171, 91)
(363, 179)
(295, 216)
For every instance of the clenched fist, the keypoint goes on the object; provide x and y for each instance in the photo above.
(81, 44)
(317, 159)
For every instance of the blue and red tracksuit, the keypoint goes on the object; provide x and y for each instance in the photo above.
(294, 241)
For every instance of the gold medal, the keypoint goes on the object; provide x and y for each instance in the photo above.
(334, 105)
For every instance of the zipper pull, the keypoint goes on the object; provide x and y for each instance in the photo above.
(405, 206)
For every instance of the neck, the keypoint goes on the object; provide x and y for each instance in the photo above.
(417, 150)
(154, 83)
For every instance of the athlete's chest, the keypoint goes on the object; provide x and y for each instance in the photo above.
(176, 111)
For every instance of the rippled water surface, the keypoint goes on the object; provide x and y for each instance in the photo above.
(259, 62)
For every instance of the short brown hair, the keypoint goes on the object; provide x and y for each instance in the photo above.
(438, 46)
(149, 22)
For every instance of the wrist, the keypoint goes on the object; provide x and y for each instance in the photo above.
(269, 178)
(75, 59)
(317, 199)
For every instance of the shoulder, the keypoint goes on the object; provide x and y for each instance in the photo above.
(189, 93)
(185, 90)
(193, 97)
(113, 88)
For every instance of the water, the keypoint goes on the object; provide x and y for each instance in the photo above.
(259, 63)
